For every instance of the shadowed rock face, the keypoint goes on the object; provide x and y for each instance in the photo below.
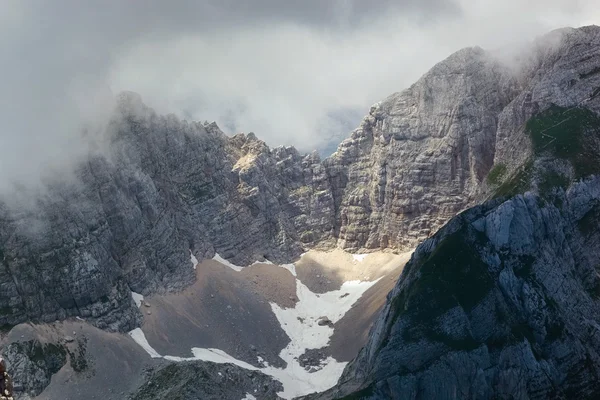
(164, 187)
(129, 223)
(33, 363)
(203, 380)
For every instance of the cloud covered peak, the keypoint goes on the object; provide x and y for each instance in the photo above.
(296, 73)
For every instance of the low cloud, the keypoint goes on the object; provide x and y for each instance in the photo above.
(293, 72)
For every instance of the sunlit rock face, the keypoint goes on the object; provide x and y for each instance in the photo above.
(420, 155)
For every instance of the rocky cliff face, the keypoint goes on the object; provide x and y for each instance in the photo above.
(422, 155)
(209, 381)
(33, 363)
(164, 188)
(503, 301)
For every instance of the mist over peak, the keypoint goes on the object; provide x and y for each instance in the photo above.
(296, 74)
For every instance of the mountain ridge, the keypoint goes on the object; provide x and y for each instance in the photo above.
(400, 176)
(167, 190)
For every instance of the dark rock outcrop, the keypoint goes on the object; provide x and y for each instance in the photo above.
(32, 365)
(207, 381)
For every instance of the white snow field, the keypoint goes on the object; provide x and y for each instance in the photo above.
(218, 258)
(223, 261)
(193, 259)
(301, 325)
(359, 257)
(138, 298)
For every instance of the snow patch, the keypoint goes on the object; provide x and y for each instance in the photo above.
(249, 397)
(138, 336)
(262, 262)
(193, 259)
(359, 257)
(218, 258)
(138, 298)
(301, 325)
(223, 261)
(290, 267)
(213, 355)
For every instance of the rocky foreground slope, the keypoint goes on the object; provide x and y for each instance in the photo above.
(164, 188)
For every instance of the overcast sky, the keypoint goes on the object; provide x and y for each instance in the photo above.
(300, 72)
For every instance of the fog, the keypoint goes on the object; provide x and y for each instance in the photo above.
(301, 73)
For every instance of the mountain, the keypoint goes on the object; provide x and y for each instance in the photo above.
(474, 128)
(503, 301)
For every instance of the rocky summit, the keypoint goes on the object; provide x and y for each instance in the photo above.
(491, 163)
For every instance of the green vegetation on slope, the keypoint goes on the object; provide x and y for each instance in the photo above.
(570, 134)
(452, 275)
(517, 183)
(551, 180)
(496, 174)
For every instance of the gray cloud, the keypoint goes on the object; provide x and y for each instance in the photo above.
(294, 72)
